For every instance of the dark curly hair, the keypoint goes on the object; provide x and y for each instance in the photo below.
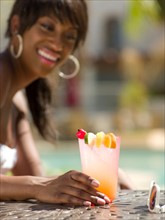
(39, 93)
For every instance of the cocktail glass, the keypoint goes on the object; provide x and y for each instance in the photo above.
(101, 163)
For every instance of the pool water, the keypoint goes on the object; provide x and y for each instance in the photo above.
(142, 165)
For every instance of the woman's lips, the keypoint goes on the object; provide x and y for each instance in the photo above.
(47, 57)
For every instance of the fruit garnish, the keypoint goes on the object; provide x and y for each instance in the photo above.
(81, 133)
(90, 138)
(110, 140)
(113, 140)
(99, 138)
(107, 140)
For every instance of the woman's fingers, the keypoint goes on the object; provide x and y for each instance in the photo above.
(103, 196)
(72, 187)
(83, 195)
(85, 179)
(81, 186)
(71, 199)
(80, 181)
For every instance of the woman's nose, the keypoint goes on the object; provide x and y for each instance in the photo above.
(57, 43)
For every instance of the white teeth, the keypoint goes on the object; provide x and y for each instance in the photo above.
(47, 56)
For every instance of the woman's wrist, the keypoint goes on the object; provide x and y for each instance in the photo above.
(36, 184)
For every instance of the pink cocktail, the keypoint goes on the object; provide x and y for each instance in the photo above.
(101, 163)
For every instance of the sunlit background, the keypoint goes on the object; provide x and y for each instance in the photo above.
(120, 88)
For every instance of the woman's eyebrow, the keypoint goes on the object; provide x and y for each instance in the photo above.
(74, 28)
(55, 20)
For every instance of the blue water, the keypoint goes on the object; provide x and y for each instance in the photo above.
(135, 160)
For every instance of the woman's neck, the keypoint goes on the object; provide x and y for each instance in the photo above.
(19, 78)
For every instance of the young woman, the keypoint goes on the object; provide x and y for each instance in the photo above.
(43, 34)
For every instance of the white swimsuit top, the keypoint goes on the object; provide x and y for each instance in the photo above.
(8, 158)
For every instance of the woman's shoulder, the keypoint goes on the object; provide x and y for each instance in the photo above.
(19, 101)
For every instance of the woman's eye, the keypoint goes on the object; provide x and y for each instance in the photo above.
(47, 27)
(71, 37)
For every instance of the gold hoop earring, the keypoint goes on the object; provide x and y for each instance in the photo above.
(20, 49)
(75, 72)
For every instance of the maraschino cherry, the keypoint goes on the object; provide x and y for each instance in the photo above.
(81, 133)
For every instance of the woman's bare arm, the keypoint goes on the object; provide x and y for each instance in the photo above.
(17, 188)
(28, 162)
(124, 180)
(72, 187)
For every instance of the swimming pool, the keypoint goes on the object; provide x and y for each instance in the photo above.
(142, 165)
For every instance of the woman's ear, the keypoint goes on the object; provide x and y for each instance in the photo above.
(15, 24)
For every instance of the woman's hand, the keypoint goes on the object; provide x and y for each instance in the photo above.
(71, 188)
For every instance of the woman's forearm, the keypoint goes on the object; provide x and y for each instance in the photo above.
(72, 187)
(18, 187)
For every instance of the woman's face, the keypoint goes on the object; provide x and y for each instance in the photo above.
(47, 45)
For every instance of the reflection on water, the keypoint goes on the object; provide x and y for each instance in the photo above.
(142, 165)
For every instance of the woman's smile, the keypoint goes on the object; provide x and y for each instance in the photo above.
(47, 57)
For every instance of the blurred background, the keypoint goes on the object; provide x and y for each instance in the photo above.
(120, 88)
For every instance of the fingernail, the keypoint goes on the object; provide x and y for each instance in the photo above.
(87, 203)
(95, 183)
(102, 195)
(107, 199)
(99, 200)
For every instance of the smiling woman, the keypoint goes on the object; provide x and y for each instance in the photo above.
(55, 32)
(42, 34)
